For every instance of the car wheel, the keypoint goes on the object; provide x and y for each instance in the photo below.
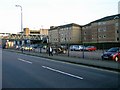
(64, 51)
(116, 58)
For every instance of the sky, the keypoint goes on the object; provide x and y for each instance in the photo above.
(38, 14)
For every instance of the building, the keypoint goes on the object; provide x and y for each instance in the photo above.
(65, 34)
(102, 33)
(36, 36)
(26, 37)
(106, 29)
(27, 32)
(4, 35)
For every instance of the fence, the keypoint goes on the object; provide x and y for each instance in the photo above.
(65, 50)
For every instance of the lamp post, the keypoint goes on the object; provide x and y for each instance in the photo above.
(59, 40)
(21, 16)
(21, 20)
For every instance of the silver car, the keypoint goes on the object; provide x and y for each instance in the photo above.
(77, 47)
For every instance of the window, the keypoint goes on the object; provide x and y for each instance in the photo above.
(100, 36)
(117, 38)
(104, 23)
(116, 24)
(83, 27)
(70, 28)
(65, 39)
(104, 29)
(84, 38)
(99, 29)
(117, 31)
(62, 29)
(104, 36)
(62, 39)
(99, 23)
(84, 33)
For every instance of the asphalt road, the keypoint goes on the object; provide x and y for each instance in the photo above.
(23, 71)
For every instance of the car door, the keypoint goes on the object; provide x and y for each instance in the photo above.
(119, 53)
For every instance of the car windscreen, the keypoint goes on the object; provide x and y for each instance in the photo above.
(90, 47)
(113, 50)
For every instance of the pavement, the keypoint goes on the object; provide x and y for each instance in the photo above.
(103, 64)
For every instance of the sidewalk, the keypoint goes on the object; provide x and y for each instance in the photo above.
(105, 64)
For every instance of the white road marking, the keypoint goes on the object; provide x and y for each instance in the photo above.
(55, 70)
(24, 60)
(90, 67)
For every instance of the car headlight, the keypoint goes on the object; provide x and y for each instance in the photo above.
(112, 55)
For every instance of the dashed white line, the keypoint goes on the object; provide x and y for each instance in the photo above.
(85, 66)
(55, 70)
(24, 60)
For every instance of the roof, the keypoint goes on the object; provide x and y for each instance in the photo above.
(69, 25)
(107, 18)
(64, 26)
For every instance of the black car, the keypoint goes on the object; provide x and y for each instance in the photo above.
(112, 54)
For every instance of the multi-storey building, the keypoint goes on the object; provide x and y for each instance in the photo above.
(27, 32)
(106, 29)
(36, 35)
(70, 33)
(103, 30)
(4, 35)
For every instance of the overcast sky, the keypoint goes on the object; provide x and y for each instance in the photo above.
(45, 13)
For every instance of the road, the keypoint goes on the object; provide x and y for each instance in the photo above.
(23, 71)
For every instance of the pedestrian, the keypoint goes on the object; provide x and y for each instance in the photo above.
(50, 51)
(22, 49)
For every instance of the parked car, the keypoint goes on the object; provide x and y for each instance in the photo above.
(59, 50)
(72, 47)
(112, 54)
(90, 48)
(37, 46)
(18, 47)
(27, 48)
(76, 47)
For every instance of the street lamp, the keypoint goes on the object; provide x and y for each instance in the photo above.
(21, 23)
(21, 16)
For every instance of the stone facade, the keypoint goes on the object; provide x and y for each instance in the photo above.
(70, 33)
